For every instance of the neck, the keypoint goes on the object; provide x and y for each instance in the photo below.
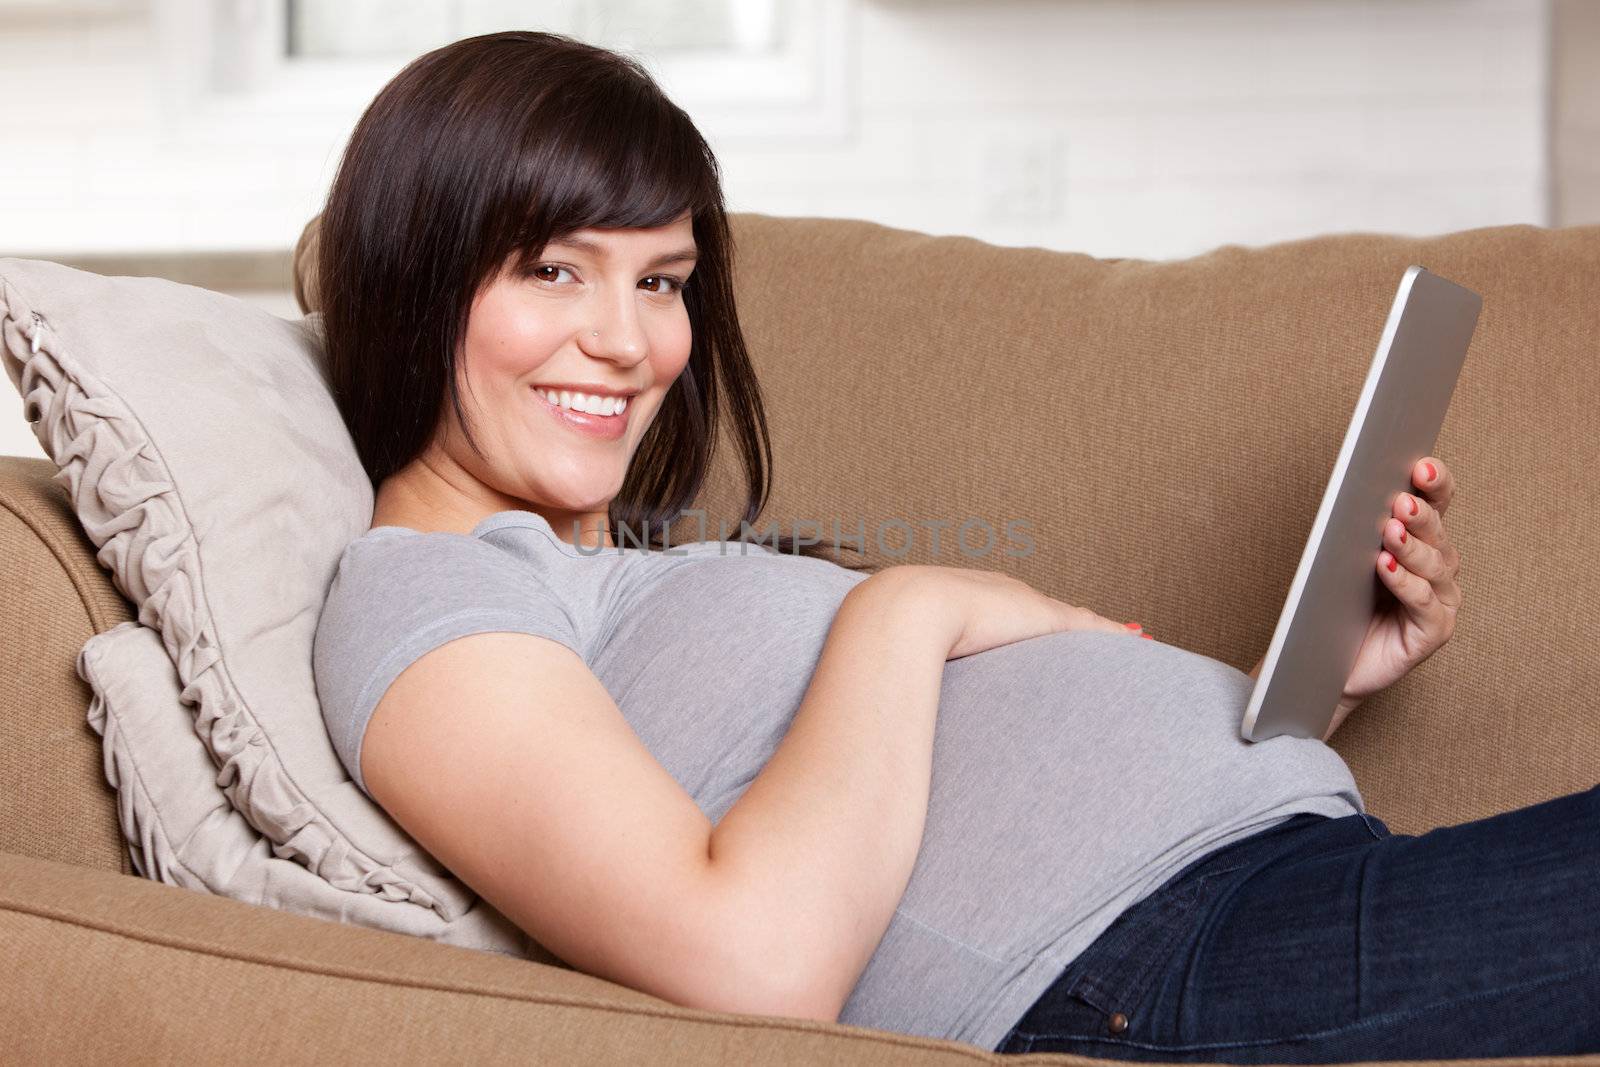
(433, 497)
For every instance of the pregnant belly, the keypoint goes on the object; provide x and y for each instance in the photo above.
(1095, 755)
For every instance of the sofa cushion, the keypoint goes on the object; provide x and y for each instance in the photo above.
(203, 454)
(194, 978)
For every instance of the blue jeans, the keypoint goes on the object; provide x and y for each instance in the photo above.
(1333, 940)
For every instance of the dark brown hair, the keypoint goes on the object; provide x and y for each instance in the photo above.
(493, 146)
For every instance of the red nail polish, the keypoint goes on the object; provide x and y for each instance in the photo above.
(1131, 625)
(1402, 535)
(1413, 505)
(1432, 474)
(1392, 564)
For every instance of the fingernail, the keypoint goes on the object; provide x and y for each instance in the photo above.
(1147, 637)
(1402, 535)
(1131, 625)
(1413, 501)
(1432, 474)
(1392, 564)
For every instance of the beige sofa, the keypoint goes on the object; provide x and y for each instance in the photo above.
(1167, 429)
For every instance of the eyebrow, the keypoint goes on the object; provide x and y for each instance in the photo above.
(679, 255)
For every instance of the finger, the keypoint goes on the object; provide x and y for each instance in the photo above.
(1131, 629)
(1430, 562)
(1416, 554)
(1417, 596)
(1138, 629)
(1435, 481)
(1421, 519)
(1093, 620)
(1422, 523)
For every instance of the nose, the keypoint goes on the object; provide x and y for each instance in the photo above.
(615, 333)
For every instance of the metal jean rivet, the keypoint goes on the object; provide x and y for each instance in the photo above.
(1117, 1023)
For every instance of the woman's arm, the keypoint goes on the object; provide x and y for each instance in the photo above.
(822, 843)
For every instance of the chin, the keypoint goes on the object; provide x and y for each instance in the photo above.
(595, 501)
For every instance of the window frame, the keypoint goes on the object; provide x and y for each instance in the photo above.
(226, 68)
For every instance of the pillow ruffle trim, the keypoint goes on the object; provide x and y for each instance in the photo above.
(149, 848)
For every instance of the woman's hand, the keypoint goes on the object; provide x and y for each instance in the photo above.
(1419, 565)
(985, 609)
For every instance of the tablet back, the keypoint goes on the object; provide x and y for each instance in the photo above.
(1336, 589)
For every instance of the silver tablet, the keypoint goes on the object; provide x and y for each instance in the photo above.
(1336, 589)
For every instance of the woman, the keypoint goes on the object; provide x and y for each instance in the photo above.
(711, 772)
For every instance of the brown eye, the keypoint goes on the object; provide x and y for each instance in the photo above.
(675, 283)
(539, 272)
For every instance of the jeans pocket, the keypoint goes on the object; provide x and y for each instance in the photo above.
(1105, 992)
(1069, 1019)
(1102, 994)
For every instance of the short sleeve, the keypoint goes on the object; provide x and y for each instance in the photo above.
(398, 595)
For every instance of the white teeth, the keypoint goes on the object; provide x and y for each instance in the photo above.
(592, 405)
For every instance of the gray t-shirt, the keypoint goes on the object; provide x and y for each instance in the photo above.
(1072, 773)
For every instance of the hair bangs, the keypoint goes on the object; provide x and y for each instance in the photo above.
(636, 162)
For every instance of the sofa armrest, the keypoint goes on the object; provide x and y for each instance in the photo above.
(96, 962)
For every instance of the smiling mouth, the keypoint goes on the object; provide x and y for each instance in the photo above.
(606, 427)
(585, 404)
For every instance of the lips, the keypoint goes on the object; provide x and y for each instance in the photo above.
(604, 427)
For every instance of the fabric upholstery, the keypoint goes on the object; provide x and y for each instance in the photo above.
(54, 802)
(180, 975)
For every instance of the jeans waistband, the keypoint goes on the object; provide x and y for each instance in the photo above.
(1117, 968)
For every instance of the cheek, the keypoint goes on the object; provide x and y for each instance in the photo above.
(669, 348)
(507, 339)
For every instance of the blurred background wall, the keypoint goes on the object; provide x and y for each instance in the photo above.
(192, 139)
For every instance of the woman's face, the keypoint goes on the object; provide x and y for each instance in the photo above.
(601, 312)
